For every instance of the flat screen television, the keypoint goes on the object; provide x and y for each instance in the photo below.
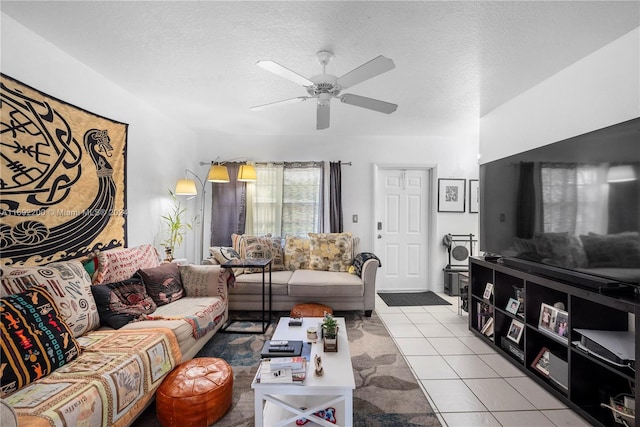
(568, 210)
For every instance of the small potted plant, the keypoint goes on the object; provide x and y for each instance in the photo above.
(330, 333)
(176, 227)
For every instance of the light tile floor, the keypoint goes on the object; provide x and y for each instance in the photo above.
(465, 380)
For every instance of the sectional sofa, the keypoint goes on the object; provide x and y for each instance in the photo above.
(88, 343)
(324, 268)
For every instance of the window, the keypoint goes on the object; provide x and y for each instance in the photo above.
(286, 199)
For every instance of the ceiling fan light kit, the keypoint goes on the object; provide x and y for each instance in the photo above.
(325, 86)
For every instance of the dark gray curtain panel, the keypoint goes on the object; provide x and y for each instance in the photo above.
(335, 197)
(228, 208)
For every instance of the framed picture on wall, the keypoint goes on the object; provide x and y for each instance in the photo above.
(474, 196)
(451, 194)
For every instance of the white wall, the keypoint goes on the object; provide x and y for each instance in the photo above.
(154, 160)
(454, 157)
(600, 90)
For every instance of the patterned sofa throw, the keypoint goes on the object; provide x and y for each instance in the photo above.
(110, 384)
(35, 340)
(330, 251)
(69, 285)
(116, 265)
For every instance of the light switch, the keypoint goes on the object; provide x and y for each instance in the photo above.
(354, 218)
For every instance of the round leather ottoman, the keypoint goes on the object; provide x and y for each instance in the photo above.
(196, 393)
(310, 309)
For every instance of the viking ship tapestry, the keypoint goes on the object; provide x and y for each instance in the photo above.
(62, 178)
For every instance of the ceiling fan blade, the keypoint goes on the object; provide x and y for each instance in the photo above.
(322, 115)
(370, 103)
(366, 71)
(282, 71)
(286, 101)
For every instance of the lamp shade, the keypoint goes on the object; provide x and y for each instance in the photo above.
(247, 173)
(218, 173)
(186, 187)
(621, 173)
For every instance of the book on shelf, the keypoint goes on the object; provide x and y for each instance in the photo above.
(485, 312)
(278, 375)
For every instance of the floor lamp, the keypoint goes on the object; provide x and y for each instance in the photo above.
(217, 173)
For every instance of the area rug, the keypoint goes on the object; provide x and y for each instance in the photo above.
(387, 393)
(407, 299)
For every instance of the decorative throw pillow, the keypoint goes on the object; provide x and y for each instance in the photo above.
(203, 280)
(277, 252)
(69, 285)
(296, 253)
(116, 265)
(223, 254)
(163, 283)
(256, 247)
(330, 251)
(122, 302)
(35, 339)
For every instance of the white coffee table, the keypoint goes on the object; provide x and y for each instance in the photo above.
(281, 404)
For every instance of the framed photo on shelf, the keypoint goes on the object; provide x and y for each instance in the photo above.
(451, 194)
(474, 196)
(515, 331)
(553, 322)
(488, 290)
(541, 362)
(513, 305)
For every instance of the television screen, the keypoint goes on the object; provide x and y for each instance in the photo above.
(567, 207)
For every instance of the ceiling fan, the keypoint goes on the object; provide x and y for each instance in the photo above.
(325, 86)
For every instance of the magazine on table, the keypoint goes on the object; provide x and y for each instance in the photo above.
(287, 373)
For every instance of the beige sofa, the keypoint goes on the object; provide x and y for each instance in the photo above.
(300, 274)
(107, 376)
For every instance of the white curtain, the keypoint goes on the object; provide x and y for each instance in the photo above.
(264, 200)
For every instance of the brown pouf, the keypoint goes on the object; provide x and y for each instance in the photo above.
(196, 393)
(310, 309)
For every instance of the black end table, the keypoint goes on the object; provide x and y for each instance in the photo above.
(265, 318)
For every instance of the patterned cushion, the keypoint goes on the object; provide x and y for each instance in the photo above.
(256, 247)
(277, 252)
(330, 251)
(205, 280)
(122, 302)
(296, 253)
(163, 283)
(69, 285)
(35, 339)
(116, 265)
(223, 254)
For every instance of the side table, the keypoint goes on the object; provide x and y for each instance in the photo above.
(252, 263)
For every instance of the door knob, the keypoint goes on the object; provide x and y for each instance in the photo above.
(379, 236)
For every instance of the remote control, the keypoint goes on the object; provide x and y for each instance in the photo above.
(279, 343)
(282, 349)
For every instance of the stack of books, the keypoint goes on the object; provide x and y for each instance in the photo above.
(282, 370)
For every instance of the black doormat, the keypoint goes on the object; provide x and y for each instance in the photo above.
(406, 299)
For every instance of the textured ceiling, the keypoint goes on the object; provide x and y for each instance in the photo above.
(454, 60)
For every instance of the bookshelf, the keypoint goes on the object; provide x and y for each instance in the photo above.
(547, 353)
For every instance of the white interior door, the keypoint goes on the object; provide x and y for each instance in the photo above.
(402, 218)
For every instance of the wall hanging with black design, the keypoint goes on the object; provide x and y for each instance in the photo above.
(62, 178)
